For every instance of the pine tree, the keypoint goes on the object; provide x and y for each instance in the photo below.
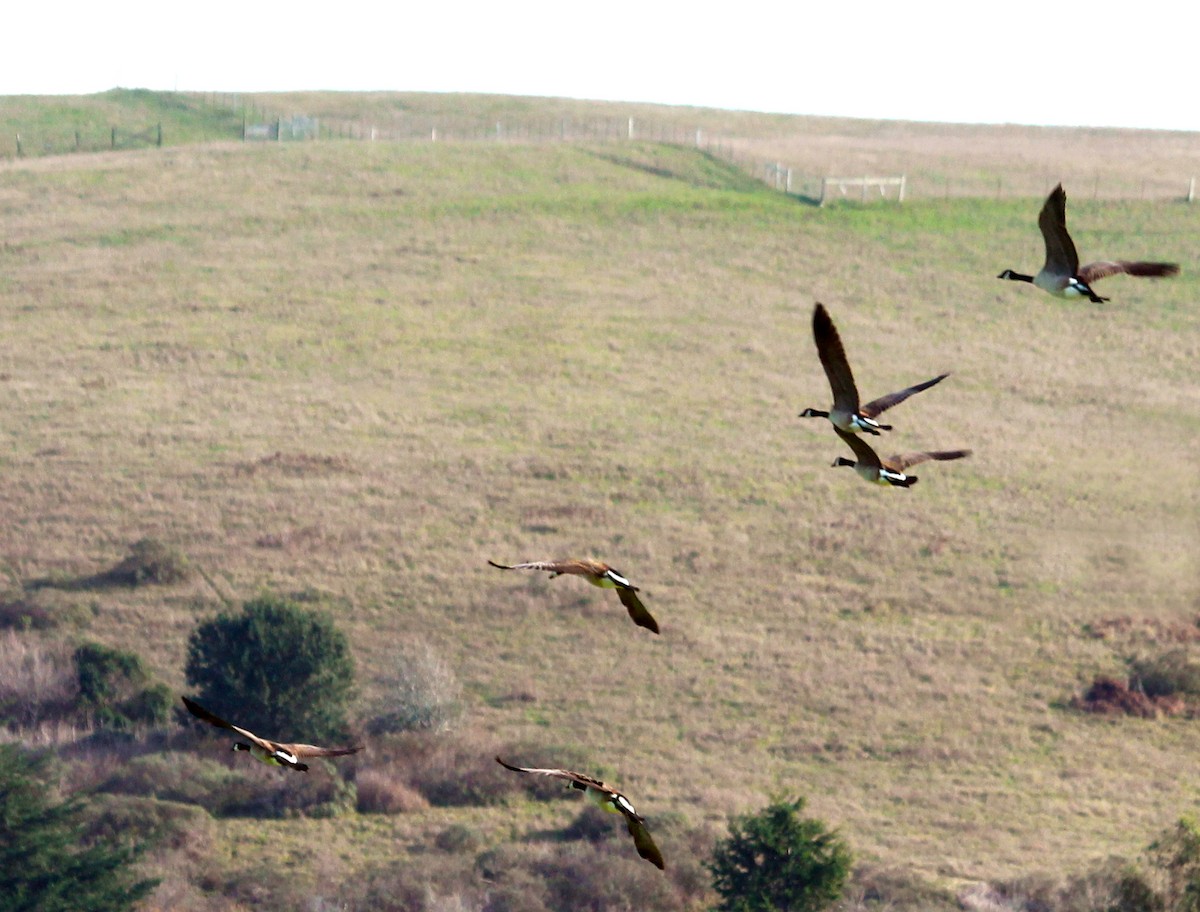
(778, 861)
(42, 866)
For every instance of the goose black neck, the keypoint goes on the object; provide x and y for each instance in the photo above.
(1015, 276)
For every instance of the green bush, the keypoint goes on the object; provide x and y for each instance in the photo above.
(778, 860)
(111, 691)
(275, 668)
(42, 865)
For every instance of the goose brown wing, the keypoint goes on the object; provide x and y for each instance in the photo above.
(556, 566)
(833, 359)
(1104, 268)
(636, 609)
(1061, 258)
(883, 403)
(862, 450)
(642, 839)
(568, 775)
(902, 462)
(311, 750)
(212, 719)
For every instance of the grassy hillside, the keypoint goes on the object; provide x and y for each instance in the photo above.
(48, 125)
(360, 370)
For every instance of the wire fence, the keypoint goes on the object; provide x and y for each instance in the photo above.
(802, 177)
(63, 142)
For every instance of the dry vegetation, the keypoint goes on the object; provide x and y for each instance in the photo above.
(357, 371)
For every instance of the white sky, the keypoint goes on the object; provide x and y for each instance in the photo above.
(1069, 63)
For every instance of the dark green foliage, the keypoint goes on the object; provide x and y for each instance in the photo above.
(104, 671)
(150, 706)
(111, 694)
(778, 861)
(1169, 674)
(42, 866)
(280, 670)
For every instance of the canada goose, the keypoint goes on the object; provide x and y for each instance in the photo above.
(890, 470)
(270, 752)
(599, 574)
(1061, 275)
(846, 414)
(608, 799)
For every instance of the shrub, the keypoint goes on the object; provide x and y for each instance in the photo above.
(276, 668)
(1167, 675)
(592, 825)
(41, 863)
(148, 561)
(37, 682)
(423, 694)
(604, 876)
(457, 838)
(1175, 858)
(244, 791)
(384, 791)
(110, 689)
(148, 822)
(776, 859)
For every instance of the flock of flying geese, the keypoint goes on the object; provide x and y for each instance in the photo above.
(1061, 275)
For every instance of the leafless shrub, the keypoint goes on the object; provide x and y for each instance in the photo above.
(37, 681)
(383, 790)
(422, 695)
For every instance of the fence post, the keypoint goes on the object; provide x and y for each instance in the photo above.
(630, 135)
(1191, 189)
(900, 196)
(112, 139)
(20, 151)
(824, 190)
(788, 185)
(159, 141)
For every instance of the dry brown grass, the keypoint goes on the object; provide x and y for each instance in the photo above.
(501, 352)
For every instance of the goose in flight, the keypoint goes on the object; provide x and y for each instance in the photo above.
(274, 753)
(889, 470)
(599, 574)
(608, 799)
(846, 414)
(1061, 275)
